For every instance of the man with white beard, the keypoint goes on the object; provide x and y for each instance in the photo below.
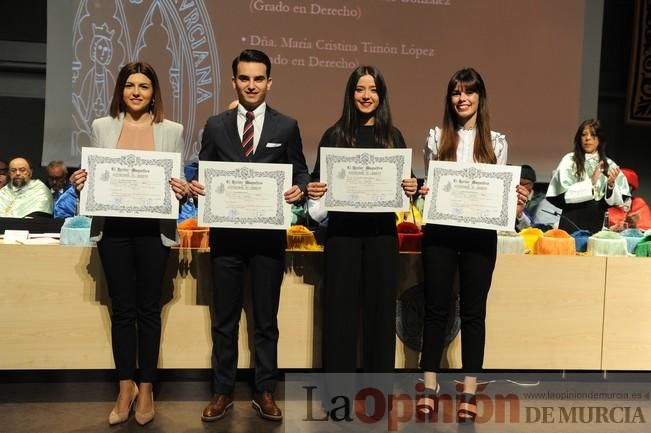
(24, 196)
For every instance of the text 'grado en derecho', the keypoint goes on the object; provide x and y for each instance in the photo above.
(341, 11)
(303, 9)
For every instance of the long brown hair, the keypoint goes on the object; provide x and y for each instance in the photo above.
(579, 153)
(468, 80)
(156, 104)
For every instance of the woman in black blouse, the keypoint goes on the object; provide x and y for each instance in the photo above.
(361, 249)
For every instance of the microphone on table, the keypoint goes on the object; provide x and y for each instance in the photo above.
(562, 217)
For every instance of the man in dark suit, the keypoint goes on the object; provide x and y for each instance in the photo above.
(251, 132)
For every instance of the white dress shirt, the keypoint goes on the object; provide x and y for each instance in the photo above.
(466, 146)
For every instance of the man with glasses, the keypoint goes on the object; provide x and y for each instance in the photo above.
(57, 178)
(24, 196)
(536, 211)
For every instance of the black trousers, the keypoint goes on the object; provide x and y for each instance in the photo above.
(232, 252)
(134, 262)
(361, 278)
(473, 252)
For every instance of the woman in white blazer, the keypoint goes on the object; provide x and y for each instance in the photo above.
(134, 251)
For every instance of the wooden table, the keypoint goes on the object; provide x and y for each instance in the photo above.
(544, 312)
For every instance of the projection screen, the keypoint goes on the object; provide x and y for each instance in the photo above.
(539, 58)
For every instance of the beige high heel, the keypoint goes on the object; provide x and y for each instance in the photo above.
(143, 418)
(116, 417)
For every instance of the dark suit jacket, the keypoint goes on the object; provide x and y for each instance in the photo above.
(221, 142)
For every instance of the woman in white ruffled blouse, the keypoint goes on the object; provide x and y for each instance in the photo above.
(465, 136)
(586, 182)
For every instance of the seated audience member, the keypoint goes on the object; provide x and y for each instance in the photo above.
(537, 211)
(586, 182)
(4, 173)
(57, 178)
(24, 196)
(188, 209)
(639, 215)
(526, 211)
(66, 205)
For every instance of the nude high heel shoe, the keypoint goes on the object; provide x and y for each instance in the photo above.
(143, 418)
(116, 417)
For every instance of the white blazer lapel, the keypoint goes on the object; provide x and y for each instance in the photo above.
(113, 135)
(159, 137)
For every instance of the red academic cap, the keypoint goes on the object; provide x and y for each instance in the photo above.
(631, 177)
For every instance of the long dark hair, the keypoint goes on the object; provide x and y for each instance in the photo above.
(579, 153)
(468, 80)
(156, 104)
(346, 127)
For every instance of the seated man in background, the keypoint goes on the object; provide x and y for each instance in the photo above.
(66, 205)
(4, 173)
(24, 196)
(638, 216)
(57, 178)
(537, 211)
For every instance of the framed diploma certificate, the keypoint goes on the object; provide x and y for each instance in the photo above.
(129, 183)
(472, 195)
(244, 195)
(365, 180)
